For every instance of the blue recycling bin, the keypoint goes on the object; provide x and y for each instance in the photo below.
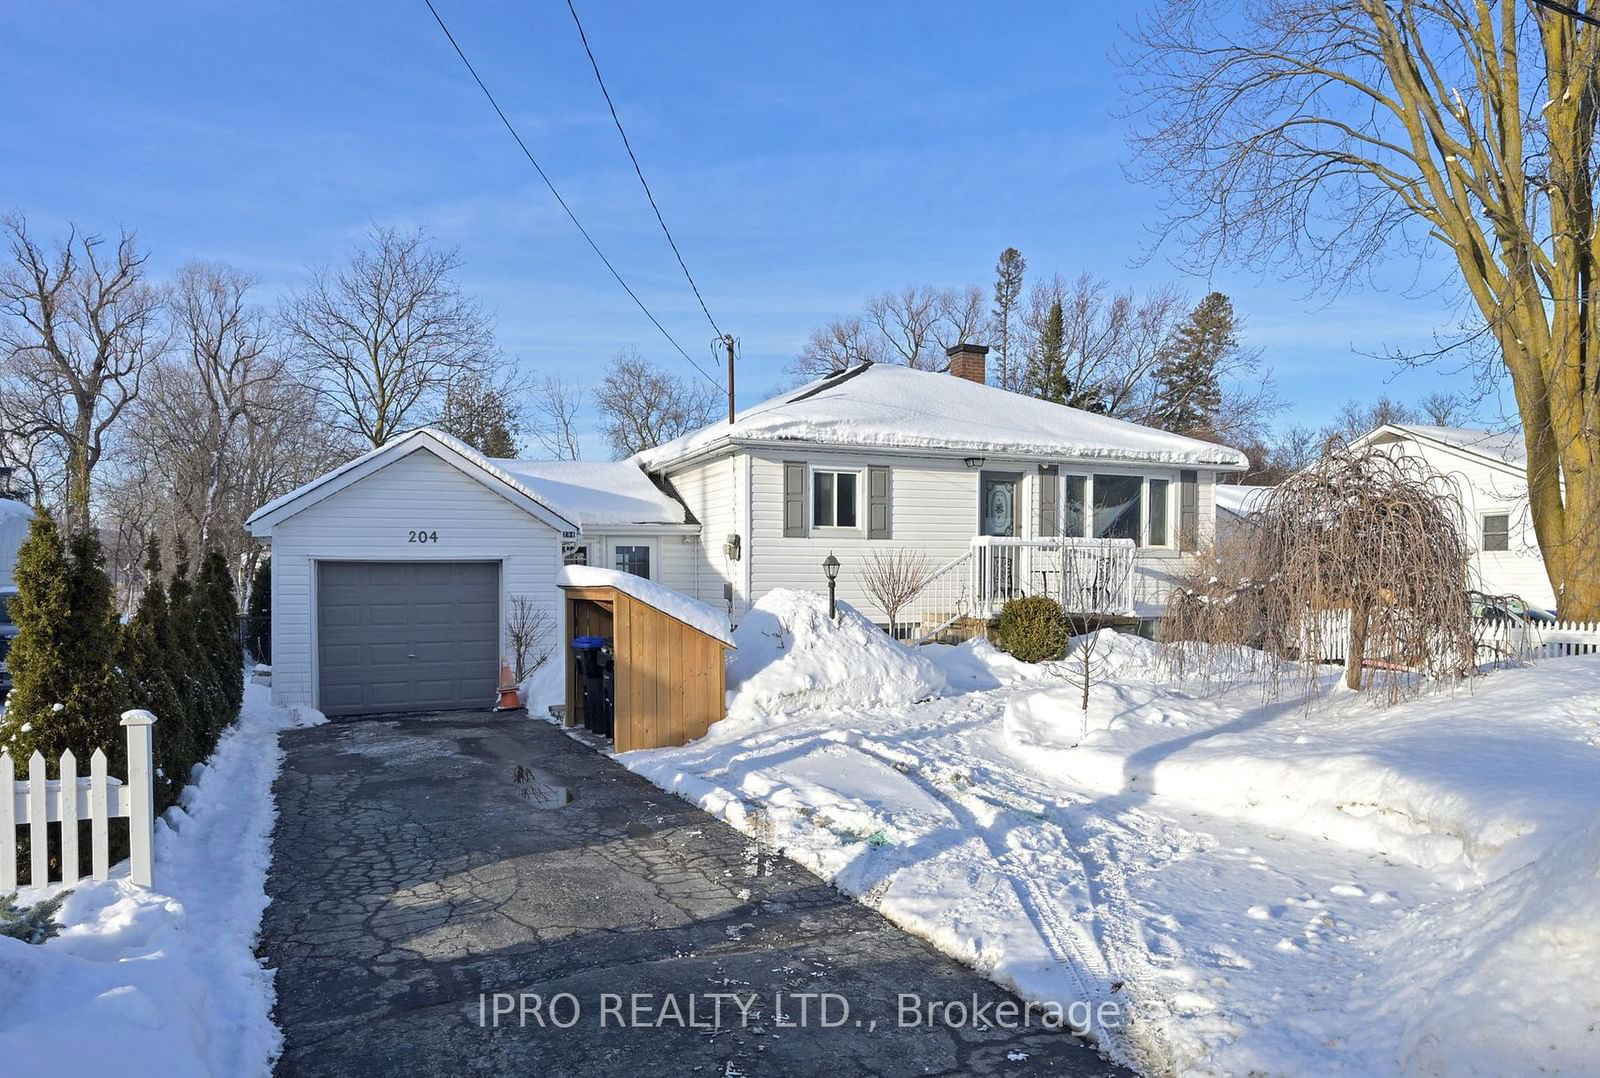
(592, 665)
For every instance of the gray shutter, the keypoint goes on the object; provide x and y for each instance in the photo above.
(794, 499)
(1188, 510)
(879, 525)
(1049, 500)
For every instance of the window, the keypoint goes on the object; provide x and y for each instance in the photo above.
(1118, 506)
(1072, 505)
(1496, 531)
(578, 555)
(1157, 532)
(833, 499)
(632, 559)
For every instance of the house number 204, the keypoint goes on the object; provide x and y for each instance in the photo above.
(422, 537)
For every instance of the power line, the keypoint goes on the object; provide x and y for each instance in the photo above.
(639, 171)
(563, 202)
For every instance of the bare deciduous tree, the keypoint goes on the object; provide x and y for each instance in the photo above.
(387, 333)
(894, 578)
(837, 346)
(555, 405)
(80, 328)
(907, 322)
(642, 405)
(1323, 136)
(529, 630)
(229, 351)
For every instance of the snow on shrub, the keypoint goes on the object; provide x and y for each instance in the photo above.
(791, 657)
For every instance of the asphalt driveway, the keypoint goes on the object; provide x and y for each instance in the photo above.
(468, 893)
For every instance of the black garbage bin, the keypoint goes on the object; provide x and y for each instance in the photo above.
(592, 663)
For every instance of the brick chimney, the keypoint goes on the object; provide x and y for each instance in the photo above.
(969, 361)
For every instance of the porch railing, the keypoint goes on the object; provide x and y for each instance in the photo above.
(1086, 576)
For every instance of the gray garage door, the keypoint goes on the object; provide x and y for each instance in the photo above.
(407, 636)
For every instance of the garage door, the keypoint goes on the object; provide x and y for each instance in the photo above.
(407, 636)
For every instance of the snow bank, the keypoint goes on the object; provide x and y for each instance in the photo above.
(673, 603)
(546, 687)
(164, 982)
(1479, 780)
(792, 657)
(1504, 979)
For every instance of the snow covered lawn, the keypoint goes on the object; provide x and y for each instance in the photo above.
(164, 982)
(1258, 887)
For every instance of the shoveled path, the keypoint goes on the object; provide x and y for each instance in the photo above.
(422, 864)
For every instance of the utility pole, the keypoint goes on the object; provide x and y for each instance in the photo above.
(727, 342)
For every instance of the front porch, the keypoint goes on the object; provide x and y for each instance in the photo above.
(1094, 579)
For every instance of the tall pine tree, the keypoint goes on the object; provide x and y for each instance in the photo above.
(1188, 394)
(66, 691)
(191, 670)
(1008, 271)
(1047, 371)
(259, 613)
(218, 626)
(147, 650)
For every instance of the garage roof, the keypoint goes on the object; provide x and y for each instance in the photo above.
(451, 450)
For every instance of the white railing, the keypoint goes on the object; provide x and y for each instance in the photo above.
(945, 600)
(1086, 576)
(70, 800)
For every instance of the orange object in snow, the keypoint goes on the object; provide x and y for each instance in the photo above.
(509, 699)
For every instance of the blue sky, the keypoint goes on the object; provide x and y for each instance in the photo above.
(805, 156)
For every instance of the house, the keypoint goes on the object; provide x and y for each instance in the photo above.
(391, 574)
(1235, 503)
(1489, 469)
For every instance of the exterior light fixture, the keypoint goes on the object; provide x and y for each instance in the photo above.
(830, 569)
(973, 462)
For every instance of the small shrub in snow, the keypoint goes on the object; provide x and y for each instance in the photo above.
(30, 924)
(1033, 629)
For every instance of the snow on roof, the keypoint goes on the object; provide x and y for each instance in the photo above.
(14, 518)
(692, 612)
(885, 406)
(1239, 500)
(443, 440)
(1505, 446)
(597, 493)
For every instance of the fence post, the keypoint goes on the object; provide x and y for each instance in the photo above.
(141, 796)
(8, 824)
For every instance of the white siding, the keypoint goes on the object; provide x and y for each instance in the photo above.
(674, 558)
(371, 520)
(934, 507)
(713, 491)
(1487, 488)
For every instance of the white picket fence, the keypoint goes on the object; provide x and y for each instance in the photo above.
(1495, 638)
(70, 800)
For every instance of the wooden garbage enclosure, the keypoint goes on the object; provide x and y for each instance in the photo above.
(669, 677)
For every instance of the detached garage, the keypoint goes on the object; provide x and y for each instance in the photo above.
(391, 577)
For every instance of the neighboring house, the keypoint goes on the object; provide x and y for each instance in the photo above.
(1489, 469)
(14, 519)
(1235, 503)
(392, 574)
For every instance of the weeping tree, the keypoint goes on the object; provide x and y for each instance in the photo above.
(1361, 548)
(1376, 539)
(1321, 136)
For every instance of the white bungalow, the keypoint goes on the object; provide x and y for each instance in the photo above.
(392, 575)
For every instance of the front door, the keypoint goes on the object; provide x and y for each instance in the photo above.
(997, 512)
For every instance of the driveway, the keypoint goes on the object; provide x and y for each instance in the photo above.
(429, 872)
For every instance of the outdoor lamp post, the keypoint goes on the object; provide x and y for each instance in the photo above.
(830, 567)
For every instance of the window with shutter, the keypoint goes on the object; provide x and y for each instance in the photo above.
(879, 524)
(794, 499)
